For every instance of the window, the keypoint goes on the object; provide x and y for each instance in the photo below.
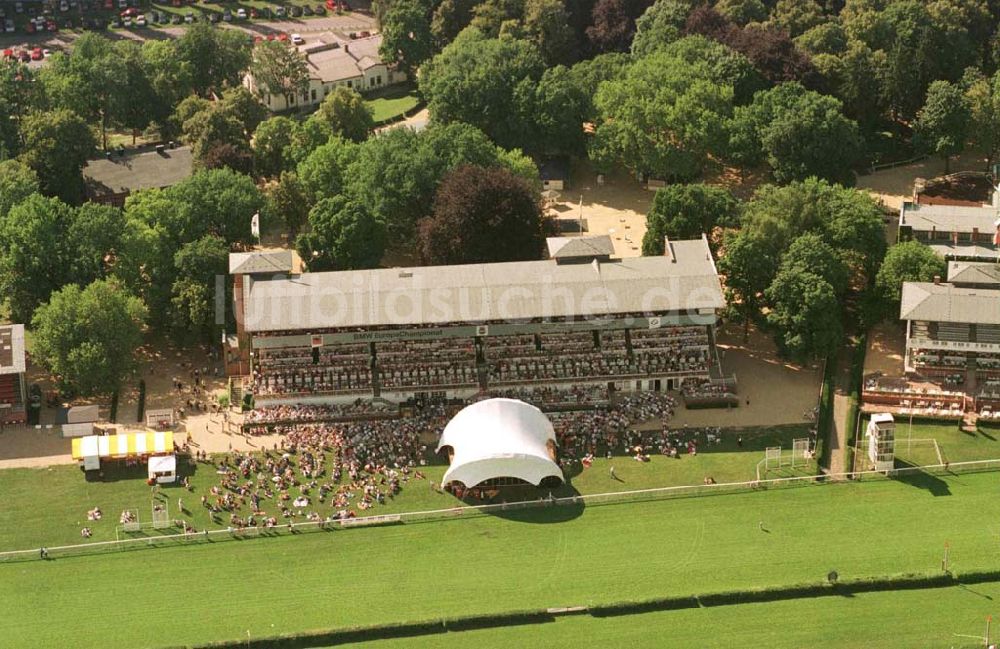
(313, 94)
(348, 83)
(378, 80)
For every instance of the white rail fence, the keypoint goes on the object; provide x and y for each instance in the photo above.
(452, 513)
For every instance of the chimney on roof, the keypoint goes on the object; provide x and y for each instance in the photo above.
(347, 48)
(937, 280)
(668, 250)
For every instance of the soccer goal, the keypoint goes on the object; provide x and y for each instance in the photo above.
(161, 516)
(801, 453)
(772, 458)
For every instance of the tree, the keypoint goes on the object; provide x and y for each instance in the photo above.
(217, 201)
(664, 118)
(805, 315)
(482, 82)
(278, 69)
(212, 128)
(406, 34)
(943, 123)
(197, 266)
(799, 132)
(17, 183)
(823, 38)
(910, 261)
(559, 110)
(33, 256)
(546, 24)
(271, 143)
(613, 26)
(661, 24)
(749, 265)
(482, 215)
(287, 199)
(20, 93)
(347, 114)
(342, 235)
(231, 155)
(307, 137)
(93, 238)
(57, 145)
(795, 17)
(687, 212)
(589, 74)
(170, 79)
(983, 98)
(214, 58)
(87, 337)
(724, 65)
(450, 18)
(241, 104)
(322, 173)
(134, 102)
(809, 253)
(742, 12)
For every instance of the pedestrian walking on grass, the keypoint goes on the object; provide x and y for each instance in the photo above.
(612, 472)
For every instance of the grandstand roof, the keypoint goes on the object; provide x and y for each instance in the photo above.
(500, 438)
(12, 349)
(969, 272)
(949, 303)
(574, 247)
(512, 291)
(270, 261)
(949, 218)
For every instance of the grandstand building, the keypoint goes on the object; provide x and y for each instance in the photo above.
(12, 365)
(953, 331)
(580, 317)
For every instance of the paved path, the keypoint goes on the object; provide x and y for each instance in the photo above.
(841, 405)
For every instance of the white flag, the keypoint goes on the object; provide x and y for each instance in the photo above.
(255, 225)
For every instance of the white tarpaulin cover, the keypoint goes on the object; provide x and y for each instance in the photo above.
(499, 438)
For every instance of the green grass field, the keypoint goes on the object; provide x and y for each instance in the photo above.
(955, 444)
(524, 559)
(940, 617)
(393, 103)
(49, 506)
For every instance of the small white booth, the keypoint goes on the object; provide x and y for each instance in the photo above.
(162, 468)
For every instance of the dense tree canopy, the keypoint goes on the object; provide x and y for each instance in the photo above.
(279, 70)
(687, 212)
(56, 147)
(342, 235)
(271, 143)
(943, 123)
(482, 215)
(805, 315)
(406, 34)
(664, 117)
(910, 261)
(347, 114)
(87, 336)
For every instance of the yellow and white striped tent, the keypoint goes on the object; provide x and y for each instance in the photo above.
(97, 447)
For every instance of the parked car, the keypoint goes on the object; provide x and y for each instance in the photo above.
(176, 19)
(8, 54)
(24, 55)
(227, 15)
(213, 17)
(30, 28)
(297, 39)
(36, 54)
(295, 11)
(307, 10)
(283, 37)
(51, 26)
(254, 13)
(63, 6)
(279, 11)
(131, 11)
(127, 21)
(241, 13)
(122, 4)
(46, 52)
(116, 21)
(189, 17)
(8, 25)
(320, 10)
(19, 7)
(140, 20)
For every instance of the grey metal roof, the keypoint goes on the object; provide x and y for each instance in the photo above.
(138, 171)
(972, 272)
(570, 247)
(977, 251)
(949, 303)
(348, 60)
(949, 218)
(270, 261)
(12, 349)
(437, 295)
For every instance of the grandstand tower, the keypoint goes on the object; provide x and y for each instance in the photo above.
(580, 317)
(13, 408)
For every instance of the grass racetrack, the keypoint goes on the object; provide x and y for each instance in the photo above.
(418, 571)
(938, 617)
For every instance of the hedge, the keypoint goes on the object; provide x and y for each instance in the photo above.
(491, 620)
(824, 419)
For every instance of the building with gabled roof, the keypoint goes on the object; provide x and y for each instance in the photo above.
(13, 397)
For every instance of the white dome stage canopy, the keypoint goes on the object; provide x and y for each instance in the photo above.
(500, 438)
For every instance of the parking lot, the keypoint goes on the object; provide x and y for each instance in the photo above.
(41, 26)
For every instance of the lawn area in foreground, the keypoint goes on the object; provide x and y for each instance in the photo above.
(937, 617)
(528, 558)
(49, 506)
(393, 102)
